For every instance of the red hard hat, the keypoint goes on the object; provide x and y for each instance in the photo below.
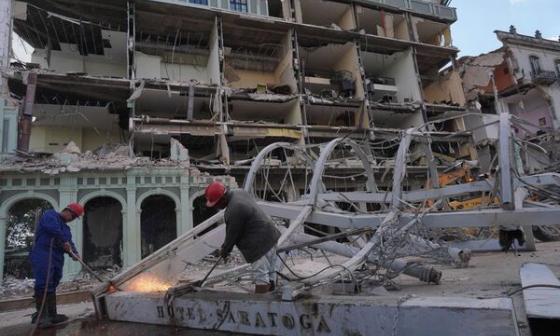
(76, 208)
(214, 193)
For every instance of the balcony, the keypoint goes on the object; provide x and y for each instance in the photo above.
(421, 7)
(544, 77)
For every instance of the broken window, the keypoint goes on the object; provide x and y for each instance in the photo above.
(275, 8)
(20, 234)
(158, 223)
(535, 64)
(103, 232)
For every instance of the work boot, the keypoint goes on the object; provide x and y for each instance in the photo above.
(262, 289)
(45, 320)
(51, 305)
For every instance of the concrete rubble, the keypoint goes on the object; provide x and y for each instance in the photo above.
(72, 160)
(410, 186)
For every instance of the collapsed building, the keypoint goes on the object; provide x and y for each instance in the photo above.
(338, 121)
(200, 87)
(521, 78)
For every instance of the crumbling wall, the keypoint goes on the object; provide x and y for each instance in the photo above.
(94, 138)
(477, 73)
(448, 88)
(68, 58)
(51, 139)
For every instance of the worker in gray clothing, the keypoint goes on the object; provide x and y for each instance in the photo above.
(248, 228)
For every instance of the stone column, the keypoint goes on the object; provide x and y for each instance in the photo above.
(5, 42)
(124, 257)
(3, 224)
(68, 193)
(186, 210)
(132, 251)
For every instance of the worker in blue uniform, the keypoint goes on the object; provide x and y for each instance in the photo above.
(52, 239)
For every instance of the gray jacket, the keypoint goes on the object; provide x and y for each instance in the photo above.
(247, 227)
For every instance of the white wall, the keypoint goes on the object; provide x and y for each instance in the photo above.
(147, 66)
(521, 58)
(152, 67)
(404, 72)
(68, 59)
(184, 72)
(214, 58)
(547, 61)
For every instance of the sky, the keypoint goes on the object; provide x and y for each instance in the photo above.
(473, 33)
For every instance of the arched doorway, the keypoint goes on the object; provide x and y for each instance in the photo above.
(103, 232)
(20, 235)
(200, 211)
(158, 223)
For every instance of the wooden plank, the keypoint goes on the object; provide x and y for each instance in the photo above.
(540, 302)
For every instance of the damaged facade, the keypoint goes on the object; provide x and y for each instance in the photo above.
(199, 88)
(521, 78)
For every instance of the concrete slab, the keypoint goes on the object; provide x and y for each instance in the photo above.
(325, 315)
(540, 302)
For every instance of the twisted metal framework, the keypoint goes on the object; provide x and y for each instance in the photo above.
(395, 228)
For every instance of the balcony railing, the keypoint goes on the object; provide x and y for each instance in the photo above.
(422, 7)
(544, 77)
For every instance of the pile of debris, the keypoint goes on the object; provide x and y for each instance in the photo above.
(107, 157)
(12, 287)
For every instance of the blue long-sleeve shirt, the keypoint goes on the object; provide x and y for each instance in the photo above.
(51, 225)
